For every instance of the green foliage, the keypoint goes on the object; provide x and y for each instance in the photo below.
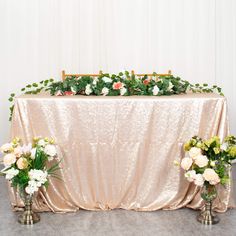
(33, 88)
(21, 180)
(134, 85)
(40, 159)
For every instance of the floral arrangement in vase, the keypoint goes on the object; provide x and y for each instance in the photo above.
(27, 169)
(207, 164)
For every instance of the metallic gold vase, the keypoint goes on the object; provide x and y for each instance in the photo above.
(28, 217)
(207, 216)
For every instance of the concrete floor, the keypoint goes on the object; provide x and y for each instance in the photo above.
(116, 222)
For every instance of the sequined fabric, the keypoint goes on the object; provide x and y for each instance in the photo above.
(118, 152)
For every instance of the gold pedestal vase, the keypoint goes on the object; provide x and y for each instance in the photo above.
(207, 216)
(28, 217)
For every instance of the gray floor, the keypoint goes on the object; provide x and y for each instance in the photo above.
(116, 222)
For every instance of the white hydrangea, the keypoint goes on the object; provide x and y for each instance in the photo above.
(107, 80)
(26, 148)
(51, 151)
(32, 187)
(105, 91)
(155, 90)
(39, 176)
(88, 89)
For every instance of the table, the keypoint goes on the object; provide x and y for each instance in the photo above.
(118, 152)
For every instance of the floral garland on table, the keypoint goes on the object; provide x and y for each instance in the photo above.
(123, 84)
(26, 165)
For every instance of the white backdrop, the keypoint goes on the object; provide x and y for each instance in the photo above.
(39, 38)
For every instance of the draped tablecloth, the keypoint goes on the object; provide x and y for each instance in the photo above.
(118, 152)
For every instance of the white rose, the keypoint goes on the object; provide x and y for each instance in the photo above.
(32, 187)
(105, 91)
(201, 161)
(95, 81)
(199, 180)
(123, 91)
(11, 173)
(155, 90)
(190, 175)
(107, 80)
(41, 143)
(211, 176)
(170, 86)
(33, 153)
(224, 146)
(194, 151)
(186, 163)
(88, 89)
(6, 147)
(9, 159)
(50, 150)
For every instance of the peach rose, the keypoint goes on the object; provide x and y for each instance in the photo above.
(146, 81)
(22, 163)
(186, 163)
(118, 85)
(201, 161)
(9, 159)
(211, 176)
(68, 93)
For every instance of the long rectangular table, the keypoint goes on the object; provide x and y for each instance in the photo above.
(118, 152)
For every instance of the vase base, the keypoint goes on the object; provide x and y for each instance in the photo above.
(208, 219)
(28, 219)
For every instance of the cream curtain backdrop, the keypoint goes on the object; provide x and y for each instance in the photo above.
(39, 38)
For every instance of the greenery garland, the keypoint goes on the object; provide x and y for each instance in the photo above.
(124, 84)
(33, 88)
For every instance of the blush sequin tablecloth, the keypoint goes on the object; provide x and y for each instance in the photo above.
(118, 152)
